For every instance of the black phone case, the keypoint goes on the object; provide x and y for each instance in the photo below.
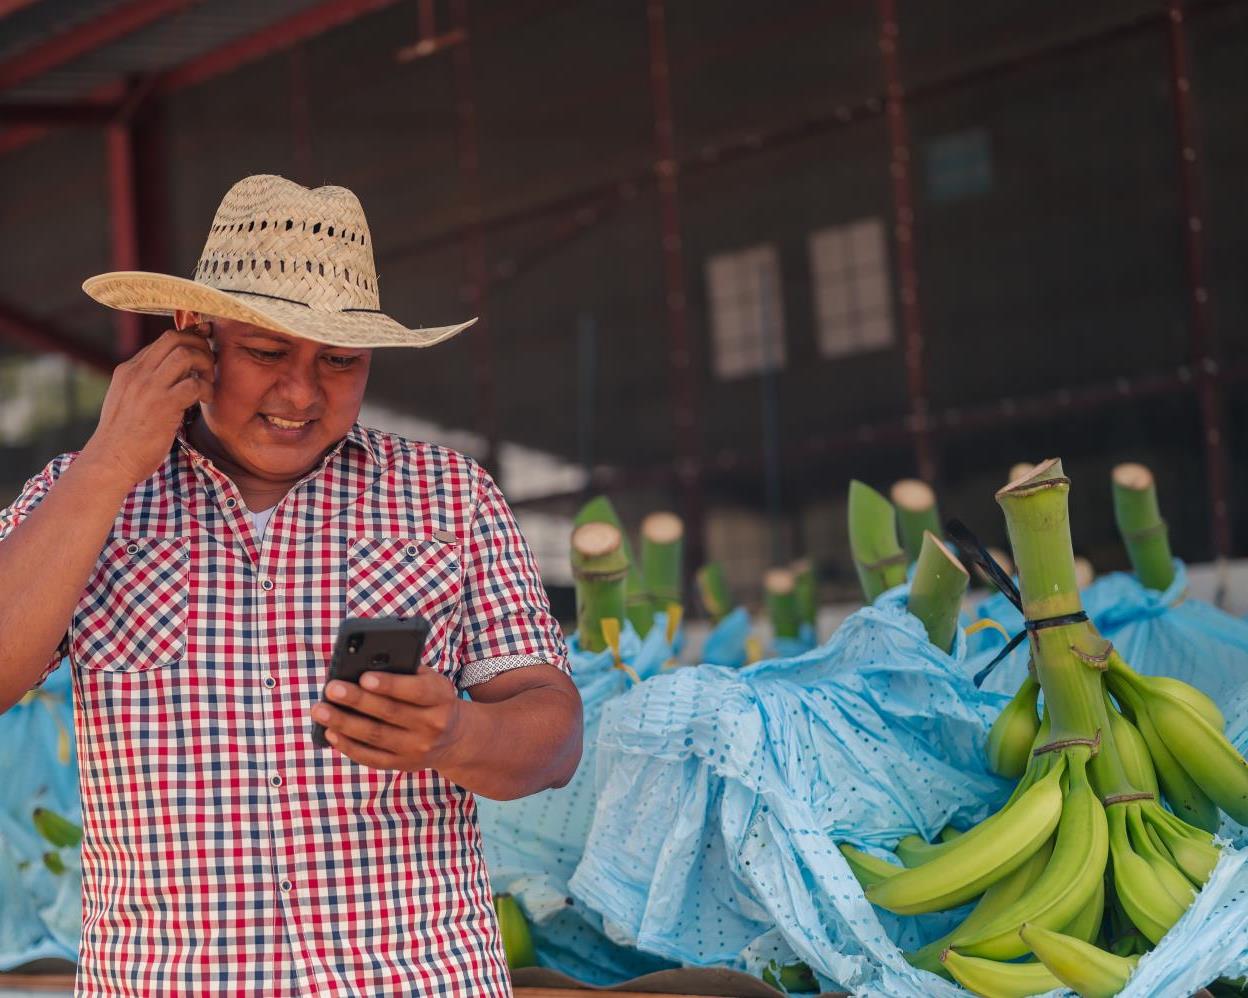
(373, 644)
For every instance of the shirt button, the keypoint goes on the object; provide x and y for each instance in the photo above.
(132, 549)
(411, 551)
(231, 503)
(286, 885)
(269, 682)
(266, 584)
(275, 781)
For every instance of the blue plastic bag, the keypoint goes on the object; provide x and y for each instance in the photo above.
(533, 845)
(726, 644)
(40, 912)
(722, 793)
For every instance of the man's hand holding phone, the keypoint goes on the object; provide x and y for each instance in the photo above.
(406, 723)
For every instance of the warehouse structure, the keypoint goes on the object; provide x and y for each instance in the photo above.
(728, 255)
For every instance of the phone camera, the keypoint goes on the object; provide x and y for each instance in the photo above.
(381, 658)
(355, 642)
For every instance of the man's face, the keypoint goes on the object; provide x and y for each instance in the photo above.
(262, 375)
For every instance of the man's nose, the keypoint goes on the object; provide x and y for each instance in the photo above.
(302, 389)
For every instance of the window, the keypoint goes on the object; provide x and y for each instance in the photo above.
(747, 314)
(853, 295)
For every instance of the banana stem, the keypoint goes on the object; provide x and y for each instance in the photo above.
(878, 557)
(638, 605)
(936, 591)
(1141, 526)
(916, 513)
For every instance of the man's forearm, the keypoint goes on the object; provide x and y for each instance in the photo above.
(45, 564)
(519, 746)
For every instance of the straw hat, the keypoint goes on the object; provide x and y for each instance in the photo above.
(284, 257)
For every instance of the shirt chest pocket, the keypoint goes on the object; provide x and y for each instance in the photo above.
(405, 576)
(133, 613)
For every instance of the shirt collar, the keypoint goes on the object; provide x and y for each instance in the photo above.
(357, 435)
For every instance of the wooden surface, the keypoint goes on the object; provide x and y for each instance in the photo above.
(65, 982)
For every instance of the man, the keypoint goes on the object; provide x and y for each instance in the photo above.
(194, 560)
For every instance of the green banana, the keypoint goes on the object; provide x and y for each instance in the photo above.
(949, 833)
(1132, 750)
(1172, 879)
(1087, 924)
(53, 861)
(1203, 752)
(58, 830)
(514, 927)
(1082, 967)
(867, 868)
(1073, 877)
(1189, 801)
(1197, 699)
(1013, 732)
(1191, 848)
(1143, 896)
(1132, 943)
(973, 862)
(795, 977)
(995, 899)
(995, 979)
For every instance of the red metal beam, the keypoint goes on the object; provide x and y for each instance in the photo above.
(25, 329)
(1208, 393)
(476, 276)
(124, 228)
(70, 113)
(900, 158)
(8, 7)
(78, 41)
(685, 406)
(274, 38)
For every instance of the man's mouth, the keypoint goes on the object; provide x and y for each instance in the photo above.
(285, 424)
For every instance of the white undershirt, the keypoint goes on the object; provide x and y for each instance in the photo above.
(261, 520)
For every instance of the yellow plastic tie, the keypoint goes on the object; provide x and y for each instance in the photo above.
(753, 650)
(675, 613)
(611, 634)
(985, 624)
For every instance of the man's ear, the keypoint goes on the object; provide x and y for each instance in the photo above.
(183, 318)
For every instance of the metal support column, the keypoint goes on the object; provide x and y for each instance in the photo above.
(683, 371)
(1204, 361)
(903, 239)
(124, 222)
(475, 275)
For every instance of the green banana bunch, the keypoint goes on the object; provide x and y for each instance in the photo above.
(995, 900)
(1141, 891)
(1087, 924)
(1202, 750)
(996, 979)
(1189, 801)
(58, 830)
(1191, 848)
(976, 860)
(514, 927)
(1070, 882)
(1013, 732)
(867, 868)
(1082, 967)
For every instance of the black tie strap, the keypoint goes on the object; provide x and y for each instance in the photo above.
(970, 548)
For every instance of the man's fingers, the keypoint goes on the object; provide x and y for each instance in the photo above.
(364, 754)
(427, 688)
(368, 730)
(169, 341)
(385, 708)
(184, 360)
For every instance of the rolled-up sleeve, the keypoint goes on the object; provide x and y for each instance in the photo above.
(507, 621)
(32, 494)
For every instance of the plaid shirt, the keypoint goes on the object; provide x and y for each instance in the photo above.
(223, 852)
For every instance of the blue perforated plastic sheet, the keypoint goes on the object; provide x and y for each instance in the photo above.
(722, 795)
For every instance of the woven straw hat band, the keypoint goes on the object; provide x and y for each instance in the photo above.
(274, 238)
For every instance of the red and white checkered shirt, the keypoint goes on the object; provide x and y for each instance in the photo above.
(224, 853)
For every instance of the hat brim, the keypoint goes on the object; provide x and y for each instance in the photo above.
(163, 294)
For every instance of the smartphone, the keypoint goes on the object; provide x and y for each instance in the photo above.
(373, 644)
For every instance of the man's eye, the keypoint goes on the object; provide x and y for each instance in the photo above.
(266, 354)
(342, 362)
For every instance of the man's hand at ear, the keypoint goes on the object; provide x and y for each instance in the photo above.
(521, 732)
